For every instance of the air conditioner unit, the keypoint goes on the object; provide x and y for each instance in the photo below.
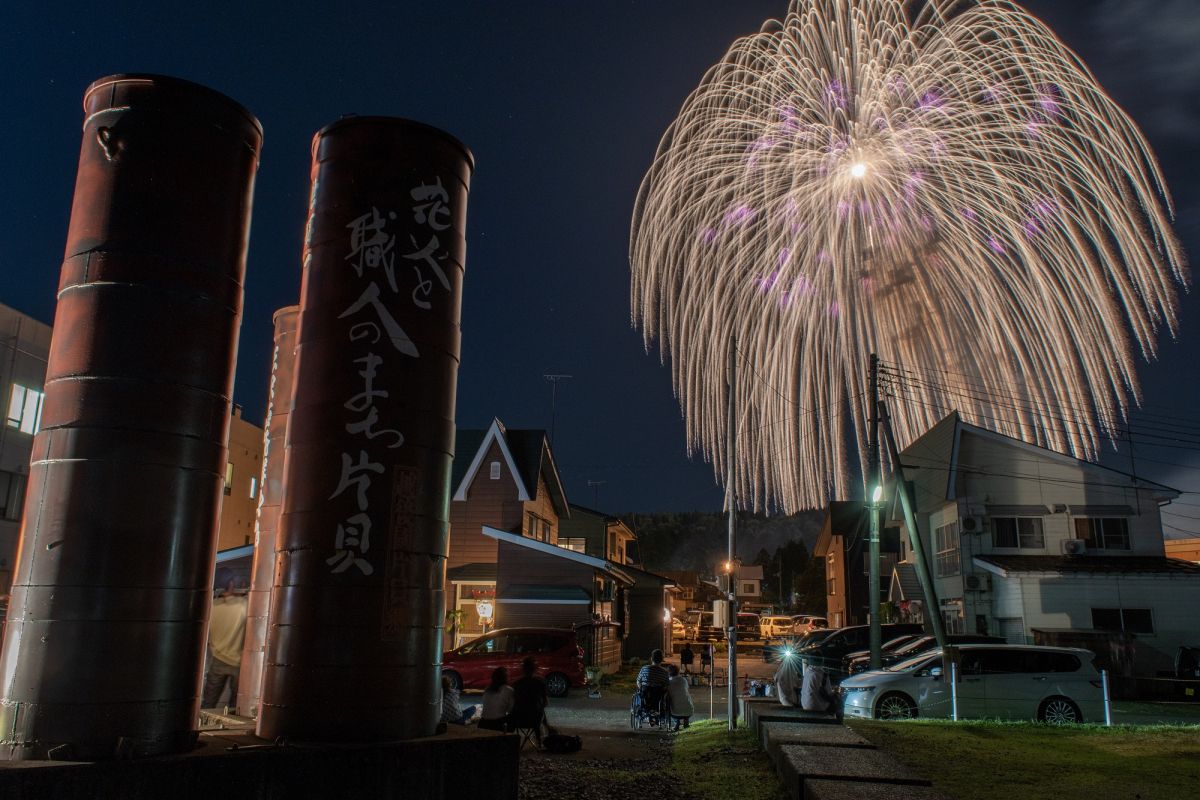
(971, 524)
(1074, 547)
(978, 583)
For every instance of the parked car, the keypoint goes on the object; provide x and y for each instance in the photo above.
(828, 653)
(678, 630)
(558, 654)
(747, 626)
(860, 661)
(803, 623)
(886, 648)
(772, 626)
(700, 627)
(1051, 684)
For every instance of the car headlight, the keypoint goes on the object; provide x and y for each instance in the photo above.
(855, 689)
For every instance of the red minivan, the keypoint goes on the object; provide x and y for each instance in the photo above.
(559, 658)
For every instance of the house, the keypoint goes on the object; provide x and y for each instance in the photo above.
(749, 587)
(243, 472)
(844, 546)
(603, 536)
(692, 593)
(505, 480)
(512, 563)
(24, 350)
(1035, 545)
(600, 535)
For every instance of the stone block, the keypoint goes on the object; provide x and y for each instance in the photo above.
(800, 764)
(865, 790)
(777, 734)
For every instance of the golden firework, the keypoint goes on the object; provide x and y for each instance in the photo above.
(948, 187)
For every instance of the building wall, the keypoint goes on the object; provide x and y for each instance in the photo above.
(24, 349)
(489, 502)
(1066, 601)
(647, 628)
(239, 504)
(586, 525)
(1183, 549)
(543, 507)
(521, 565)
(835, 578)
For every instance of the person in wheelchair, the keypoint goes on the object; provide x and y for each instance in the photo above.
(651, 702)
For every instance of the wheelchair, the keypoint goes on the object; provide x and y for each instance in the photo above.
(650, 706)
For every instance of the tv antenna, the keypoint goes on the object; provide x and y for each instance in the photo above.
(595, 487)
(554, 379)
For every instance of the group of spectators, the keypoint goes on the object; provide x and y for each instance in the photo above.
(504, 707)
(656, 676)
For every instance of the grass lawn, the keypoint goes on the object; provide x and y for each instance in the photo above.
(711, 763)
(1030, 761)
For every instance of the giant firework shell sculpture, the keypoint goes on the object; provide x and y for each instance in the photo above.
(944, 184)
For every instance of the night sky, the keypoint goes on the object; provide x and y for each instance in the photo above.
(563, 104)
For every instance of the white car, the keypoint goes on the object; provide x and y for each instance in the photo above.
(806, 623)
(774, 626)
(1051, 684)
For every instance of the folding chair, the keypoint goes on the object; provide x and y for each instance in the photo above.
(528, 736)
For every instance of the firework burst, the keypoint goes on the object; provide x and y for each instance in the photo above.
(944, 184)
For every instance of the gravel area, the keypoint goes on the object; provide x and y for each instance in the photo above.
(619, 768)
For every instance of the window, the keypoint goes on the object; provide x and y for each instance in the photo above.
(688, 592)
(12, 495)
(949, 558)
(253, 488)
(25, 409)
(1129, 620)
(1103, 533)
(831, 585)
(578, 544)
(545, 531)
(952, 615)
(491, 644)
(228, 477)
(748, 588)
(495, 470)
(1018, 532)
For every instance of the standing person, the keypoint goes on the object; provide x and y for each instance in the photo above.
(682, 707)
(686, 658)
(497, 702)
(530, 699)
(706, 659)
(452, 713)
(226, 635)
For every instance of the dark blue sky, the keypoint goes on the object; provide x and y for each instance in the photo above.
(563, 104)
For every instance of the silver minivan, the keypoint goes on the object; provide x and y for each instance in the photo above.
(1051, 684)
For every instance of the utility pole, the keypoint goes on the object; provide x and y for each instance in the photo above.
(731, 561)
(873, 495)
(554, 379)
(933, 612)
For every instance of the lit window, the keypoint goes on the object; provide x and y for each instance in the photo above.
(578, 544)
(228, 477)
(495, 468)
(253, 488)
(25, 409)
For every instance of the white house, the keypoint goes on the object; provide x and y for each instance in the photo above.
(749, 583)
(1035, 545)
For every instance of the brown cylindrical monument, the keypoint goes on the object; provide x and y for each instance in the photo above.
(355, 632)
(270, 505)
(104, 647)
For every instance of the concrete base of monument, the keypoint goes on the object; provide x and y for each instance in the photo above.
(463, 762)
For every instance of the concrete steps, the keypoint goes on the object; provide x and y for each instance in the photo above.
(818, 758)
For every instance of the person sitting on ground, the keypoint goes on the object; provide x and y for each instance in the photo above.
(497, 702)
(787, 679)
(817, 693)
(452, 714)
(686, 658)
(530, 699)
(681, 699)
(653, 675)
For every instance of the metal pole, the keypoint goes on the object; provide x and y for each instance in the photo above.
(1107, 703)
(929, 591)
(954, 691)
(873, 505)
(731, 494)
